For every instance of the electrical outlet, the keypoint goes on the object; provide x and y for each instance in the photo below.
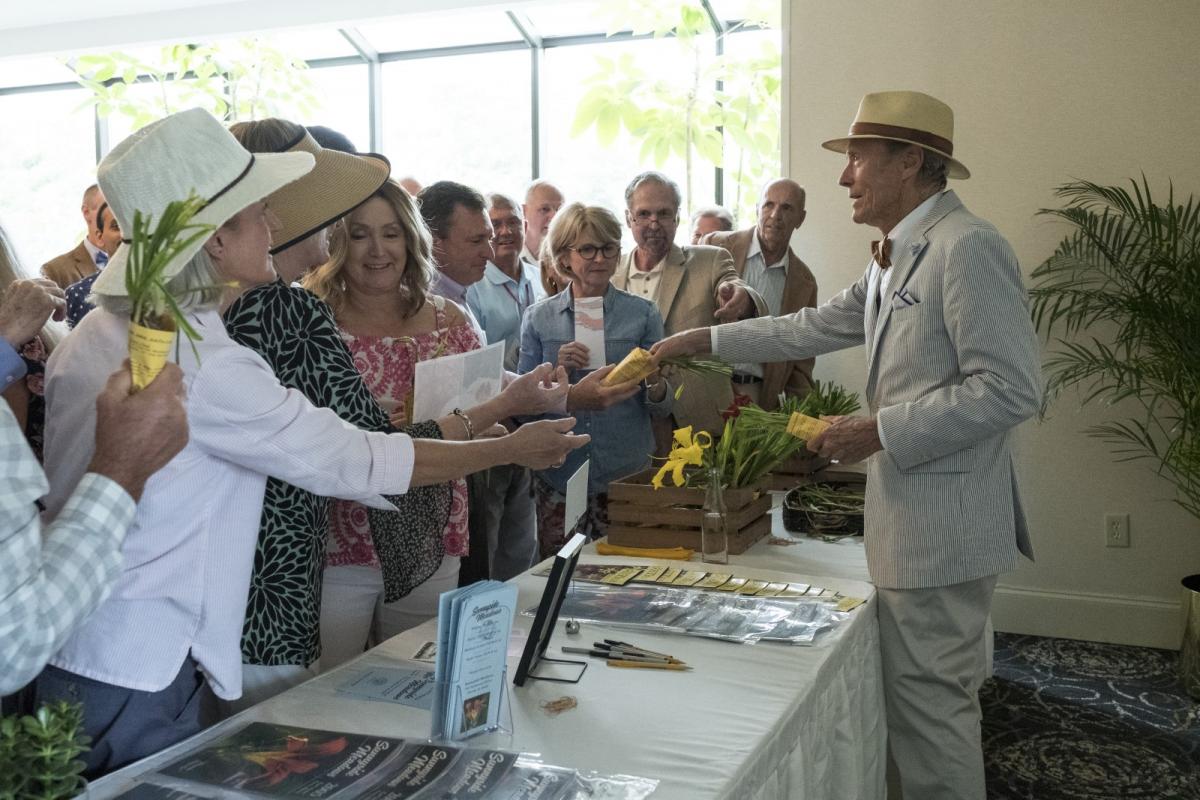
(1116, 530)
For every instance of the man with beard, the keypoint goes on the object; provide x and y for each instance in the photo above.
(763, 257)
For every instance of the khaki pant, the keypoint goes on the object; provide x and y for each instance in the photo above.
(934, 661)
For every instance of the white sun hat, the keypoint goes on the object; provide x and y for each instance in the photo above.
(184, 154)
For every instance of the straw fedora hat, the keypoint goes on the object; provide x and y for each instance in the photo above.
(186, 153)
(337, 184)
(910, 117)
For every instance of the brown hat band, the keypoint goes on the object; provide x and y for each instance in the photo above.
(896, 132)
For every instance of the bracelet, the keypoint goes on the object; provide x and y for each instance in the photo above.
(458, 412)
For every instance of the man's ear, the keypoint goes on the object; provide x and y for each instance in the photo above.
(629, 219)
(803, 214)
(912, 159)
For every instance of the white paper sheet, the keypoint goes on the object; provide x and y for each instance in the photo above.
(576, 503)
(441, 385)
(589, 329)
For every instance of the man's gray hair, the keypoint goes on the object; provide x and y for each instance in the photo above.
(652, 176)
(197, 287)
(538, 184)
(500, 200)
(720, 213)
(934, 168)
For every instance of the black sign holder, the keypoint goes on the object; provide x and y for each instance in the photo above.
(547, 615)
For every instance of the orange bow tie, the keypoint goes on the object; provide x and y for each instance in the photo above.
(882, 255)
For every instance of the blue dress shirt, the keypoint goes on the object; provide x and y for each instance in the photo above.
(622, 439)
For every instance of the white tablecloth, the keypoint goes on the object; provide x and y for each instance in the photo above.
(749, 722)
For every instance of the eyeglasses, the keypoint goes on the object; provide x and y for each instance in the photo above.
(662, 216)
(588, 251)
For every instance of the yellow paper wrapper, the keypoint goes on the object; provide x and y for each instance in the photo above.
(805, 427)
(635, 366)
(678, 553)
(148, 349)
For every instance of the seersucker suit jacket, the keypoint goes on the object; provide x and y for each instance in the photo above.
(952, 368)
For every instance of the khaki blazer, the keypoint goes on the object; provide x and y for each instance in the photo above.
(952, 369)
(687, 298)
(70, 267)
(799, 291)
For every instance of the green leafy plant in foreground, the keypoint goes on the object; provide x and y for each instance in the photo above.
(39, 753)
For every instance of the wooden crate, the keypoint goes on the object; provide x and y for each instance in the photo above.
(641, 516)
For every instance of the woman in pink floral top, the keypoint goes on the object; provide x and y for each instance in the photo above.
(387, 365)
(376, 282)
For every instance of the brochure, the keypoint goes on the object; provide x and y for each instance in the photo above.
(462, 380)
(275, 761)
(589, 329)
(473, 627)
(288, 762)
(410, 687)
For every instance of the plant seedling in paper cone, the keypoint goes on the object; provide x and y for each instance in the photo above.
(639, 363)
(155, 313)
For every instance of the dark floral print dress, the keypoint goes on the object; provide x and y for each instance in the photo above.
(297, 336)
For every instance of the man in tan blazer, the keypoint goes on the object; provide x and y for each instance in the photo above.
(88, 256)
(764, 259)
(691, 285)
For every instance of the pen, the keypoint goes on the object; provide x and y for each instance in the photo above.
(647, 665)
(619, 654)
(609, 643)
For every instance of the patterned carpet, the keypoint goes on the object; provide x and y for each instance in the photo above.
(1068, 720)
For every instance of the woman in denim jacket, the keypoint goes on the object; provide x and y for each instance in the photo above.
(584, 243)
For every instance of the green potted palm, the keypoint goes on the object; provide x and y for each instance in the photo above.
(1119, 304)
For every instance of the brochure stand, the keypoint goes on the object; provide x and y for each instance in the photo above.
(499, 734)
(547, 615)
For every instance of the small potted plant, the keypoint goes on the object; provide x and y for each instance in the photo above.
(39, 753)
(155, 313)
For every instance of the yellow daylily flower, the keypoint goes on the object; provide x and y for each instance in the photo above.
(687, 450)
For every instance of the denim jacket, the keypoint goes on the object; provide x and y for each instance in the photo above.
(622, 440)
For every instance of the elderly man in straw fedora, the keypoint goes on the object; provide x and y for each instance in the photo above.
(952, 369)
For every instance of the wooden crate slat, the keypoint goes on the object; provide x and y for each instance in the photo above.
(684, 517)
(634, 536)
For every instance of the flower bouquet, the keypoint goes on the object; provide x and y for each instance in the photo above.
(155, 315)
(753, 442)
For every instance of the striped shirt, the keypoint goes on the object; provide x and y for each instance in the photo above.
(52, 577)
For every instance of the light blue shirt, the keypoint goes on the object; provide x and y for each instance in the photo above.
(12, 366)
(499, 303)
(768, 280)
(622, 439)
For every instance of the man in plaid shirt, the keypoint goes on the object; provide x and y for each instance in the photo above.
(57, 574)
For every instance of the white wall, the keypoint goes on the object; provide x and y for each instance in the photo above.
(1043, 91)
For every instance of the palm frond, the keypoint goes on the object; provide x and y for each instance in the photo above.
(1118, 301)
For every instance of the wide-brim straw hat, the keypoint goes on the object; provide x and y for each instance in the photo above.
(910, 117)
(184, 154)
(338, 184)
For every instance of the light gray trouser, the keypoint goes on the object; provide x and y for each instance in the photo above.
(934, 661)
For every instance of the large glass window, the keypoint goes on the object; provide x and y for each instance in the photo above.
(466, 117)
(49, 159)
(598, 174)
(462, 118)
